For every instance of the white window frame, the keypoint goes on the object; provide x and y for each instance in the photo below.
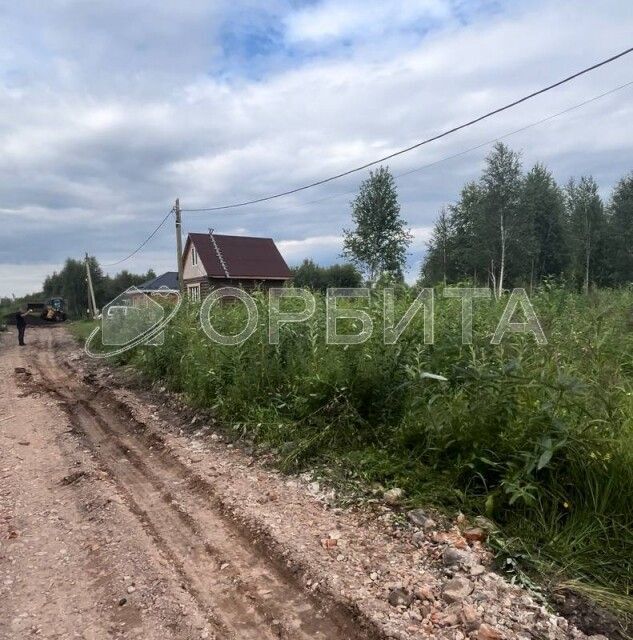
(194, 292)
(194, 256)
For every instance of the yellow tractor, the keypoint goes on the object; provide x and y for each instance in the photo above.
(52, 311)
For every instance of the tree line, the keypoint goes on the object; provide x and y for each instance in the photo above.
(508, 228)
(511, 228)
(70, 284)
(318, 278)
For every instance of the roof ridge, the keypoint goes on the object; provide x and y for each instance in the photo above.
(219, 254)
(232, 235)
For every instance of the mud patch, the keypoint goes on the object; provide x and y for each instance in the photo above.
(587, 616)
(73, 478)
(22, 371)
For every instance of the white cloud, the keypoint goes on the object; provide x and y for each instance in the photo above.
(98, 141)
(421, 235)
(316, 247)
(20, 279)
(351, 18)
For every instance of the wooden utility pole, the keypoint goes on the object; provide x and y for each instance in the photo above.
(91, 292)
(179, 244)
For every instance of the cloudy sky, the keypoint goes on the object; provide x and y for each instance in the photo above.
(110, 109)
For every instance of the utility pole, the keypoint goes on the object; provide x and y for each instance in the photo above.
(179, 244)
(91, 292)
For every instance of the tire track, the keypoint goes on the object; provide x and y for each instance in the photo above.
(244, 594)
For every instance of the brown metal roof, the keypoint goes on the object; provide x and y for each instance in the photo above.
(244, 256)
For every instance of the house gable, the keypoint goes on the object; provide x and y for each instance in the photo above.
(193, 266)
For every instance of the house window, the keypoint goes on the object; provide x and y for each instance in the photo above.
(194, 292)
(194, 256)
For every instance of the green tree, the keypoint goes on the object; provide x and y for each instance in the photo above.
(312, 276)
(499, 223)
(308, 275)
(621, 230)
(122, 281)
(378, 243)
(542, 212)
(343, 275)
(440, 259)
(71, 284)
(469, 257)
(587, 226)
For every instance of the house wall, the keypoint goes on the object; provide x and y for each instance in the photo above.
(203, 281)
(207, 284)
(191, 272)
(247, 285)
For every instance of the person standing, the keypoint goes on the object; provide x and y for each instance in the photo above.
(20, 321)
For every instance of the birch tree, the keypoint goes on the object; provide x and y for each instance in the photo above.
(378, 242)
(501, 183)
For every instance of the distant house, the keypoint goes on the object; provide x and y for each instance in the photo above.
(168, 280)
(165, 286)
(212, 260)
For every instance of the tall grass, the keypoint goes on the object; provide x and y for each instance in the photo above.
(538, 438)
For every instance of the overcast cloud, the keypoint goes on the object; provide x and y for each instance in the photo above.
(109, 110)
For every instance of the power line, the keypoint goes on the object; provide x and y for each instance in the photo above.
(481, 145)
(419, 144)
(420, 168)
(140, 246)
(520, 130)
(416, 169)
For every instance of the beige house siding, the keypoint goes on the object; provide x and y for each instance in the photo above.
(191, 271)
(207, 284)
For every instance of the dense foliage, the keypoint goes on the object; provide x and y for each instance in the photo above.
(538, 438)
(313, 276)
(514, 229)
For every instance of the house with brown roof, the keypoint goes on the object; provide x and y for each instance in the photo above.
(212, 260)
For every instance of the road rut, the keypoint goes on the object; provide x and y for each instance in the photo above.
(241, 592)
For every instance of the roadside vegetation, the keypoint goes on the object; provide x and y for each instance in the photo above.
(81, 329)
(9, 306)
(537, 438)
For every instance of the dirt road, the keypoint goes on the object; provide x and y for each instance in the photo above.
(119, 519)
(95, 517)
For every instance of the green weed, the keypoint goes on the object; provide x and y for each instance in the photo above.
(538, 438)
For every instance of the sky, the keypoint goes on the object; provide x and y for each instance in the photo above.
(109, 110)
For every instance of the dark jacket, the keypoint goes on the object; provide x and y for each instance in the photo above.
(20, 320)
